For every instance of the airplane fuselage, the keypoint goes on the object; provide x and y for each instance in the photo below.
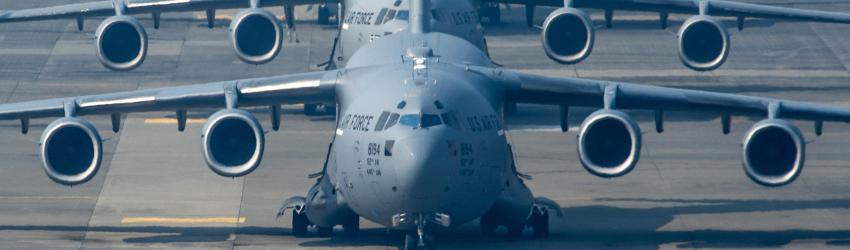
(367, 21)
(417, 133)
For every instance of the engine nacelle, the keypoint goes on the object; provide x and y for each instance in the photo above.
(703, 43)
(233, 142)
(774, 152)
(122, 43)
(256, 36)
(609, 143)
(71, 151)
(568, 35)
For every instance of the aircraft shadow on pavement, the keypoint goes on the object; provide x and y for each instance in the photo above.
(591, 226)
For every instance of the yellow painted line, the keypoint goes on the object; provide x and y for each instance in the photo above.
(162, 220)
(173, 121)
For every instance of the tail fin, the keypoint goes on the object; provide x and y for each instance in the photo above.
(420, 16)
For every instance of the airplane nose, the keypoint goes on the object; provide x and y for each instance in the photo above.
(423, 168)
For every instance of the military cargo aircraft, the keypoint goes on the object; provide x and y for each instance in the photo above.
(419, 144)
(568, 33)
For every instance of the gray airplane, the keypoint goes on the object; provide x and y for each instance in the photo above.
(419, 144)
(568, 33)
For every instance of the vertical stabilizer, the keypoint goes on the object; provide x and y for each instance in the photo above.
(420, 16)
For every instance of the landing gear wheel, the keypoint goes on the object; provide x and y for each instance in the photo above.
(495, 15)
(492, 13)
(352, 227)
(325, 232)
(411, 242)
(540, 223)
(324, 15)
(319, 109)
(310, 109)
(515, 231)
(299, 224)
(488, 225)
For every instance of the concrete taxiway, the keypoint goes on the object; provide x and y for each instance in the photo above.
(689, 190)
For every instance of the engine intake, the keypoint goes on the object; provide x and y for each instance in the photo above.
(609, 143)
(122, 43)
(568, 35)
(703, 43)
(774, 152)
(71, 151)
(256, 36)
(233, 143)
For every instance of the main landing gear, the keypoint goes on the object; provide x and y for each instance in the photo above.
(491, 13)
(319, 109)
(538, 222)
(300, 223)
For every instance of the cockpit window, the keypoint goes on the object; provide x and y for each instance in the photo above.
(450, 120)
(392, 121)
(420, 121)
(430, 121)
(380, 19)
(403, 15)
(410, 120)
(388, 119)
(390, 16)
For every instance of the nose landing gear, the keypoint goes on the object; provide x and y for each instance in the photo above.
(420, 239)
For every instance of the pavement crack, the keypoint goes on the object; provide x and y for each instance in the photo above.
(12, 93)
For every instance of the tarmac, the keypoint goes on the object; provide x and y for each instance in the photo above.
(688, 191)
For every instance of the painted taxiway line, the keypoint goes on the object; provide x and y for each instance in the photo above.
(164, 220)
(173, 121)
(5, 198)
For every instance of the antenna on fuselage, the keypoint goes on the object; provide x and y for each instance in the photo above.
(420, 16)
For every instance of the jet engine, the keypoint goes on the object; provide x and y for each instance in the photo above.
(71, 151)
(703, 43)
(568, 35)
(609, 143)
(774, 152)
(122, 43)
(233, 142)
(256, 36)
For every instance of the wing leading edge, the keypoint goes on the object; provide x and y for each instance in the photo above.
(710, 7)
(530, 88)
(314, 87)
(109, 8)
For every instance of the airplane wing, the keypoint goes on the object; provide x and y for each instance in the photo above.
(109, 8)
(609, 141)
(530, 88)
(711, 7)
(314, 87)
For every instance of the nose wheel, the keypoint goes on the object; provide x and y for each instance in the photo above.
(419, 240)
